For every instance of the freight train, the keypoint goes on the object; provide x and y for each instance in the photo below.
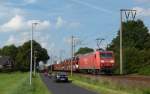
(95, 62)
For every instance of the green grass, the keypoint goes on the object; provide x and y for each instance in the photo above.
(18, 83)
(107, 87)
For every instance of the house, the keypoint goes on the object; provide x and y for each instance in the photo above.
(6, 62)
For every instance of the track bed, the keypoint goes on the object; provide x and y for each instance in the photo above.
(127, 80)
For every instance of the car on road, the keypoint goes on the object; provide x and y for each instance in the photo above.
(61, 77)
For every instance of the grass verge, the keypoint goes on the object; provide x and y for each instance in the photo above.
(102, 86)
(18, 83)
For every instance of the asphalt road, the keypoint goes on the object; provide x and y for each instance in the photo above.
(64, 88)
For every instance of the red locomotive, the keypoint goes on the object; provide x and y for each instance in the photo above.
(95, 62)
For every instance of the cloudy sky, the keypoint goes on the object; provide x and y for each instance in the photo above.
(59, 19)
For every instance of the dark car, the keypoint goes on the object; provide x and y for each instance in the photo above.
(61, 77)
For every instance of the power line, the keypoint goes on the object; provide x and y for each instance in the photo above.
(93, 6)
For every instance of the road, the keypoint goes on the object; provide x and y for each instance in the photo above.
(64, 88)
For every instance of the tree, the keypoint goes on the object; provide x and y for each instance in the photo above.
(84, 50)
(136, 39)
(23, 56)
(43, 55)
(10, 50)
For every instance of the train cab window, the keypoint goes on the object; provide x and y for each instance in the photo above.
(106, 55)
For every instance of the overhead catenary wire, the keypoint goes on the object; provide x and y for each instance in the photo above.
(101, 9)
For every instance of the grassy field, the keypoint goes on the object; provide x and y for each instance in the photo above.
(107, 87)
(18, 83)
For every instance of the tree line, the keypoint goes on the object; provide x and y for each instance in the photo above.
(21, 55)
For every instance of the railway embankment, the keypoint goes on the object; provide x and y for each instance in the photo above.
(113, 84)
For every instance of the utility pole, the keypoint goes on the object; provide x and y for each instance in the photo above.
(76, 42)
(35, 65)
(35, 52)
(51, 62)
(73, 46)
(72, 51)
(31, 51)
(130, 15)
(31, 57)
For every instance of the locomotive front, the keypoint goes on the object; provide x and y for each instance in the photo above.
(106, 59)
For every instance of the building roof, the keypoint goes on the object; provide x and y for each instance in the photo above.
(4, 60)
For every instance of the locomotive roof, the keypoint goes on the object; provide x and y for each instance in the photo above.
(94, 52)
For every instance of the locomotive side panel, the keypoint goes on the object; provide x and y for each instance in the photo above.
(88, 62)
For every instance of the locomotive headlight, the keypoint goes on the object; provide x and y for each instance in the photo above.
(77, 66)
(102, 61)
(57, 76)
(112, 61)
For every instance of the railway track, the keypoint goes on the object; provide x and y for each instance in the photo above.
(132, 80)
(128, 77)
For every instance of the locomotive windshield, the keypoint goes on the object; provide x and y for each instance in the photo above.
(106, 55)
